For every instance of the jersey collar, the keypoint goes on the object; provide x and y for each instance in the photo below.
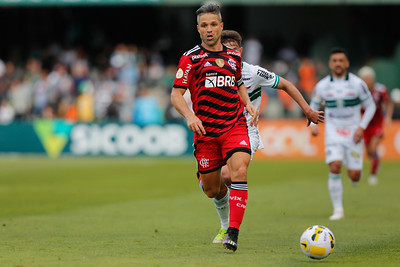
(346, 78)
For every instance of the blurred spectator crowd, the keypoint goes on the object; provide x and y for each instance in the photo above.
(130, 85)
(73, 88)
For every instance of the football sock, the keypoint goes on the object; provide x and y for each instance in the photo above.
(374, 164)
(222, 207)
(237, 203)
(335, 187)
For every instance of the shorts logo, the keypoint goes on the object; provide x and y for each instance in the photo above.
(205, 163)
(220, 62)
(179, 73)
(243, 143)
(355, 154)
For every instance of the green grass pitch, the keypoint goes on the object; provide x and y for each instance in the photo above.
(151, 212)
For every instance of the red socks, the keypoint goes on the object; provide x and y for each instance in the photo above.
(374, 164)
(237, 203)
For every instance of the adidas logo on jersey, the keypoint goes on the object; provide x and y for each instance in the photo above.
(243, 143)
(208, 64)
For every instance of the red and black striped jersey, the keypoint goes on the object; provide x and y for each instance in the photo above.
(213, 79)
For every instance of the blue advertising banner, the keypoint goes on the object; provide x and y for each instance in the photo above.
(57, 137)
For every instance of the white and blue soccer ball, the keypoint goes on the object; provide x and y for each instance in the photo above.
(317, 242)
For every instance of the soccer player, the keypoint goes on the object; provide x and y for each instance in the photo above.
(254, 78)
(212, 73)
(374, 132)
(342, 93)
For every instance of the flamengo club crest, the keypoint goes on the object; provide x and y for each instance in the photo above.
(204, 162)
(220, 62)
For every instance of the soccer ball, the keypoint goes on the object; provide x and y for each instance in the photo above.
(317, 242)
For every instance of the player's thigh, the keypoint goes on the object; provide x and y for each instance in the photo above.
(334, 152)
(354, 156)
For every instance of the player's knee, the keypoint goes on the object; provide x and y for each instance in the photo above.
(212, 192)
(354, 175)
(335, 167)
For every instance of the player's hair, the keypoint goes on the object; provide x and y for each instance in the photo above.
(337, 50)
(209, 8)
(228, 36)
(366, 71)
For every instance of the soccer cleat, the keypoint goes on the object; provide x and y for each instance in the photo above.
(373, 179)
(219, 238)
(231, 238)
(337, 215)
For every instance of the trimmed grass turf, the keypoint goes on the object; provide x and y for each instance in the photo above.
(151, 212)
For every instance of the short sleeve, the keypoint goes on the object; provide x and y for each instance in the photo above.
(184, 73)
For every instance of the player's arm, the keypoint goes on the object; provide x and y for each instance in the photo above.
(370, 108)
(312, 115)
(315, 104)
(389, 108)
(178, 101)
(244, 95)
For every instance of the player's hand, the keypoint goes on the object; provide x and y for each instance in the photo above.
(358, 135)
(315, 130)
(314, 116)
(195, 125)
(254, 113)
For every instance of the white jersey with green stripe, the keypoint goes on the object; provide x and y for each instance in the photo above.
(254, 78)
(342, 99)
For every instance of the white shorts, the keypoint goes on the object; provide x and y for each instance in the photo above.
(350, 154)
(255, 139)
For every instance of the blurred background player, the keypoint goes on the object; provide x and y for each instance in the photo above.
(254, 78)
(212, 73)
(342, 93)
(373, 134)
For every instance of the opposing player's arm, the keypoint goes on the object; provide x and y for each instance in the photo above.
(370, 108)
(179, 102)
(369, 105)
(312, 115)
(244, 95)
(388, 108)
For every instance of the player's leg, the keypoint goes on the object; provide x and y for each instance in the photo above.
(372, 149)
(334, 157)
(211, 183)
(354, 162)
(222, 206)
(237, 165)
(210, 162)
(255, 143)
(226, 175)
(236, 153)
